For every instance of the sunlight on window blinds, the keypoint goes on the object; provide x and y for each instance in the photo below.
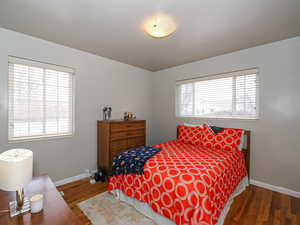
(231, 95)
(40, 100)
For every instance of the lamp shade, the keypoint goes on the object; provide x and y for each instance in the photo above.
(15, 169)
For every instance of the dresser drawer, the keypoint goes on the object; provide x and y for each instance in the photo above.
(118, 146)
(115, 127)
(135, 125)
(139, 132)
(118, 135)
(135, 142)
(127, 134)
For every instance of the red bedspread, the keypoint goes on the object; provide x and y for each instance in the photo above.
(187, 184)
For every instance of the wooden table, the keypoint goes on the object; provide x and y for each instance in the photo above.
(55, 212)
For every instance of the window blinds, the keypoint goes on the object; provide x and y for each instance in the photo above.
(231, 95)
(40, 100)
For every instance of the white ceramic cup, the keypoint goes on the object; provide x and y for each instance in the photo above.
(36, 203)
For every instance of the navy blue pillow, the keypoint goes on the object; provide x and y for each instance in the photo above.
(216, 129)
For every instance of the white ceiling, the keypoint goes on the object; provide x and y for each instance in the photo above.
(112, 28)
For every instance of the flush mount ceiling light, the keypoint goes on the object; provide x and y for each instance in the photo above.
(159, 25)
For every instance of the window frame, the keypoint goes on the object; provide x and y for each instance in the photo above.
(213, 77)
(43, 65)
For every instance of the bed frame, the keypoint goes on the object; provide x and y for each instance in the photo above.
(246, 149)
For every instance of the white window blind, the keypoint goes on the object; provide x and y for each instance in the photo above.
(40, 100)
(230, 95)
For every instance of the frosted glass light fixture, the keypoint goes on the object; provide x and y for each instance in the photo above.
(159, 25)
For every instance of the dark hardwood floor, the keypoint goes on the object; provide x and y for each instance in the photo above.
(79, 191)
(260, 206)
(255, 206)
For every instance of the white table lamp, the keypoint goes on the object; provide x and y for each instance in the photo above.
(15, 174)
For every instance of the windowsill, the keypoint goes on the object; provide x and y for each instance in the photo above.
(46, 138)
(217, 118)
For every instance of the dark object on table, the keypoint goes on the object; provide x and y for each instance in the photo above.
(106, 112)
(100, 175)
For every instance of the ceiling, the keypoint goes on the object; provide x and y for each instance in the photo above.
(112, 28)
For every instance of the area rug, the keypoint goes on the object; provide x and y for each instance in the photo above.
(104, 209)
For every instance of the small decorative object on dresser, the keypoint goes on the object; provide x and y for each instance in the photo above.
(106, 112)
(117, 136)
(129, 116)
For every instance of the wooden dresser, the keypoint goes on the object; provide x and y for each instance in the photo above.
(115, 136)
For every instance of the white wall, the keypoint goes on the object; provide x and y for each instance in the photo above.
(275, 138)
(98, 81)
(276, 135)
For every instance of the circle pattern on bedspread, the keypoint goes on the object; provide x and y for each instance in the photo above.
(187, 184)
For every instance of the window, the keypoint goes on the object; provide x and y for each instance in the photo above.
(230, 95)
(40, 100)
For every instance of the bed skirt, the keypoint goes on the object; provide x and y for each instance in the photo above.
(146, 210)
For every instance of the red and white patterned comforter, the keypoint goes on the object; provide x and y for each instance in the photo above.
(186, 183)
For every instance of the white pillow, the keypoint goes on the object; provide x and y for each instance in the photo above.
(193, 124)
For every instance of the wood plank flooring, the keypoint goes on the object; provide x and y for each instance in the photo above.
(255, 206)
(259, 206)
(79, 191)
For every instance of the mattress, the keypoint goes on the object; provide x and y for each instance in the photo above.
(184, 183)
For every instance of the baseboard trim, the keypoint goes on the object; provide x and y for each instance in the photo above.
(74, 178)
(71, 179)
(279, 189)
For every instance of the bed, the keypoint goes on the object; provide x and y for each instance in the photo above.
(186, 184)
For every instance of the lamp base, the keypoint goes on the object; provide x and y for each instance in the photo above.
(13, 207)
